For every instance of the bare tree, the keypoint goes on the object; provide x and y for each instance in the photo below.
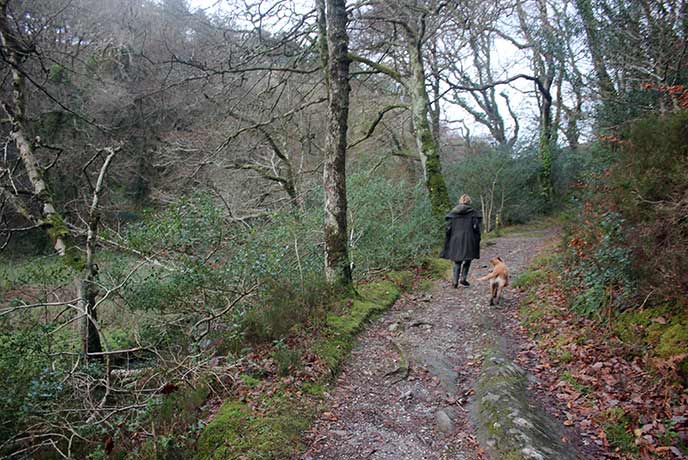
(413, 19)
(483, 105)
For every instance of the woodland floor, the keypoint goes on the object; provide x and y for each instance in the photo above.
(442, 334)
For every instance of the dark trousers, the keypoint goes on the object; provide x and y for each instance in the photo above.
(461, 270)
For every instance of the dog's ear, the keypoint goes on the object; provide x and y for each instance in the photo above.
(499, 259)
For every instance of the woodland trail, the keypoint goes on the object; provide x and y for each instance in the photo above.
(375, 413)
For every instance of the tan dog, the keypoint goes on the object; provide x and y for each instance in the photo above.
(499, 279)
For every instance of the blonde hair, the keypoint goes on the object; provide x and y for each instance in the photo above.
(465, 199)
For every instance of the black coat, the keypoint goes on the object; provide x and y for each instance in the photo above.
(462, 234)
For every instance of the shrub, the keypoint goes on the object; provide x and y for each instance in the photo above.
(390, 223)
(182, 304)
(29, 382)
(630, 222)
(281, 306)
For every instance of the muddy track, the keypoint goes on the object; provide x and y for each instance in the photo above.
(380, 409)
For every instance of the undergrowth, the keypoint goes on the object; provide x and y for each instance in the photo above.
(238, 432)
(598, 359)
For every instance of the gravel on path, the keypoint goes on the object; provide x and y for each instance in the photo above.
(374, 413)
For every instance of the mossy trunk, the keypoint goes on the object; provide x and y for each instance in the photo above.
(546, 162)
(337, 268)
(547, 140)
(426, 142)
(49, 218)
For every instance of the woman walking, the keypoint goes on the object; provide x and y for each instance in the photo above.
(462, 239)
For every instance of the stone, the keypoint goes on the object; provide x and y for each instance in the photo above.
(531, 454)
(520, 421)
(443, 422)
(407, 395)
(393, 327)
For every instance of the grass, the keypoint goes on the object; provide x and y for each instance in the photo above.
(438, 268)
(529, 278)
(616, 427)
(575, 384)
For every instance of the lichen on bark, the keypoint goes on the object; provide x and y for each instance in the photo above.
(337, 268)
(425, 141)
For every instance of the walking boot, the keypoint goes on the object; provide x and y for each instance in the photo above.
(465, 265)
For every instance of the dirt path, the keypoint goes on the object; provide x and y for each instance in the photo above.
(442, 335)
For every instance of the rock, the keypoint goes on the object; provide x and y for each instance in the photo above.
(505, 414)
(393, 327)
(443, 422)
(520, 421)
(531, 454)
(440, 367)
(407, 395)
(341, 433)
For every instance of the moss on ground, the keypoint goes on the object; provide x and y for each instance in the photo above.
(403, 279)
(337, 340)
(661, 330)
(236, 433)
(380, 292)
(438, 268)
(424, 286)
(673, 341)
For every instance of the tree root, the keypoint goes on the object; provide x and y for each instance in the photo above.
(420, 323)
(402, 370)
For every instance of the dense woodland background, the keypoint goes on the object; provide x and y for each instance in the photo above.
(162, 194)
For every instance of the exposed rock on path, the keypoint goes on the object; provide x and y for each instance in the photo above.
(441, 339)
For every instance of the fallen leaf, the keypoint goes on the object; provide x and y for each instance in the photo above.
(329, 416)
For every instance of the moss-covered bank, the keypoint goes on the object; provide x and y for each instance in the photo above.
(237, 432)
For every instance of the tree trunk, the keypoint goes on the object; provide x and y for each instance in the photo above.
(425, 141)
(88, 291)
(322, 36)
(434, 106)
(49, 219)
(546, 141)
(88, 286)
(337, 268)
